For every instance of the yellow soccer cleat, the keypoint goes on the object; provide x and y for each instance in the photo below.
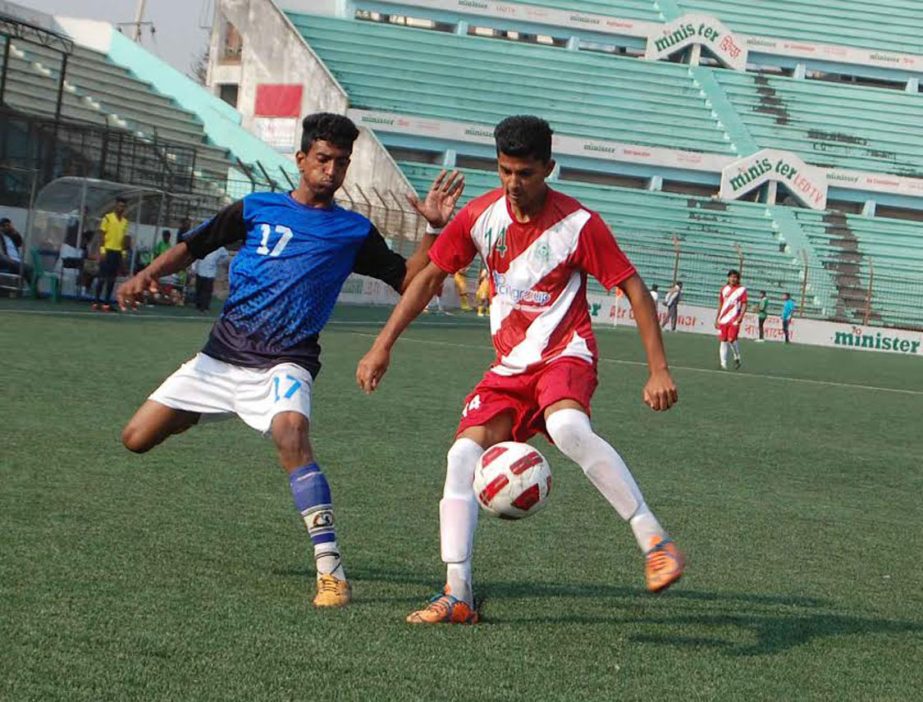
(664, 564)
(332, 592)
(444, 609)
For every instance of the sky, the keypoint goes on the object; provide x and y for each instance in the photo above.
(179, 37)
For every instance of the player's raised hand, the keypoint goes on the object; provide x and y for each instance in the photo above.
(441, 199)
(372, 368)
(131, 293)
(660, 391)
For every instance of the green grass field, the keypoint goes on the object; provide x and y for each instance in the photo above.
(794, 487)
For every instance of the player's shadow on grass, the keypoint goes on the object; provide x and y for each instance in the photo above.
(772, 633)
(774, 623)
(600, 591)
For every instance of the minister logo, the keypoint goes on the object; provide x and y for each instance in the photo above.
(878, 341)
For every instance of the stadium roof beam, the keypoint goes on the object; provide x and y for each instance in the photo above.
(17, 29)
(13, 28)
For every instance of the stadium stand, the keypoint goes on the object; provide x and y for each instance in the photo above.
(891, 27)
(391, 68)
(832, 125)
(100, 93)
(860, 252)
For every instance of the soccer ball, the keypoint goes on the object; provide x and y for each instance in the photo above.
(512, 480)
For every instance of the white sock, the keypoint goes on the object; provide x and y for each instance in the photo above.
(458, 517)
(327, 560)
(735, 347)
(723, 352)
(571, 432)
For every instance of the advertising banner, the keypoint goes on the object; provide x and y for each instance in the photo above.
(606, 309)
(704, 30)
(807, 183)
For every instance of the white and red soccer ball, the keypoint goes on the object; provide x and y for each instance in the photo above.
(512, 480)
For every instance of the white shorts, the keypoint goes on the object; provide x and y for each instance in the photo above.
(256, 395)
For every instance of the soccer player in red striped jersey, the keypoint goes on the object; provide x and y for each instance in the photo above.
(732, 306)
(538, 246)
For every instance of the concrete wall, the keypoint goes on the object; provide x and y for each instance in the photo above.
(273, 52)
(372, 165)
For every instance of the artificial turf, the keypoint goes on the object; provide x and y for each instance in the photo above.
(793, 486)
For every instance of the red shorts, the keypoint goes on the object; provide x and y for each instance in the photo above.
(527, 396)
(728, 332)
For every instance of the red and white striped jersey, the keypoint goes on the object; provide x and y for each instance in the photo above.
(731, 302)
(538, 273)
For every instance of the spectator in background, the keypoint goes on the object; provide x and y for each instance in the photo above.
(183, 230)
(655, 293)
(482, 294)
(164, 243)
(461, 285)
(205, 273)
(11, 251)
(114, 230)
(762, 310)
(672, 300)
(788, 311)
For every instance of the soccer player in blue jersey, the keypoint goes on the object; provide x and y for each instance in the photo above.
(262, 355)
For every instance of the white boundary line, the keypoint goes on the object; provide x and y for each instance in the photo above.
(448, 324)
(829, 383)
(460, 324)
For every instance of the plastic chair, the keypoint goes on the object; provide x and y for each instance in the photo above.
(39, 273)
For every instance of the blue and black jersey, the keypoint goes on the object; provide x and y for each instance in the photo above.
(287, 275)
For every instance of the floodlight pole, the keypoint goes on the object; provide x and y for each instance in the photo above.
(868, 294)
(675, 259)
(139, 17)
(804, 283)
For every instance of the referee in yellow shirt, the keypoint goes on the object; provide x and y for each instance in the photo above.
(113, 228)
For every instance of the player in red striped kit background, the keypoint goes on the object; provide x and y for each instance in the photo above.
(538, 246)
(732, 306)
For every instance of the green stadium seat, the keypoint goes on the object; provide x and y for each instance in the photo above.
(392, 69)
(894, 26)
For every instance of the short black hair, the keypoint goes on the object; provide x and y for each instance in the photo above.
(166, 233)
(122, 200)
(733, 271)
(326, 126)
(762, 292)
(5, 220)
(654, 287)
(524, 136)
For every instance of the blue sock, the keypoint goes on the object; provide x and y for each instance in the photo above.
(311, 494)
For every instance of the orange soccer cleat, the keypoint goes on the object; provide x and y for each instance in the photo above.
(664, 564)
(444, 609)
(332, 592)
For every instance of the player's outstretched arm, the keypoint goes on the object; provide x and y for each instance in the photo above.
(375, 363)
(174, 259)
(660, 390)
(437, 208)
